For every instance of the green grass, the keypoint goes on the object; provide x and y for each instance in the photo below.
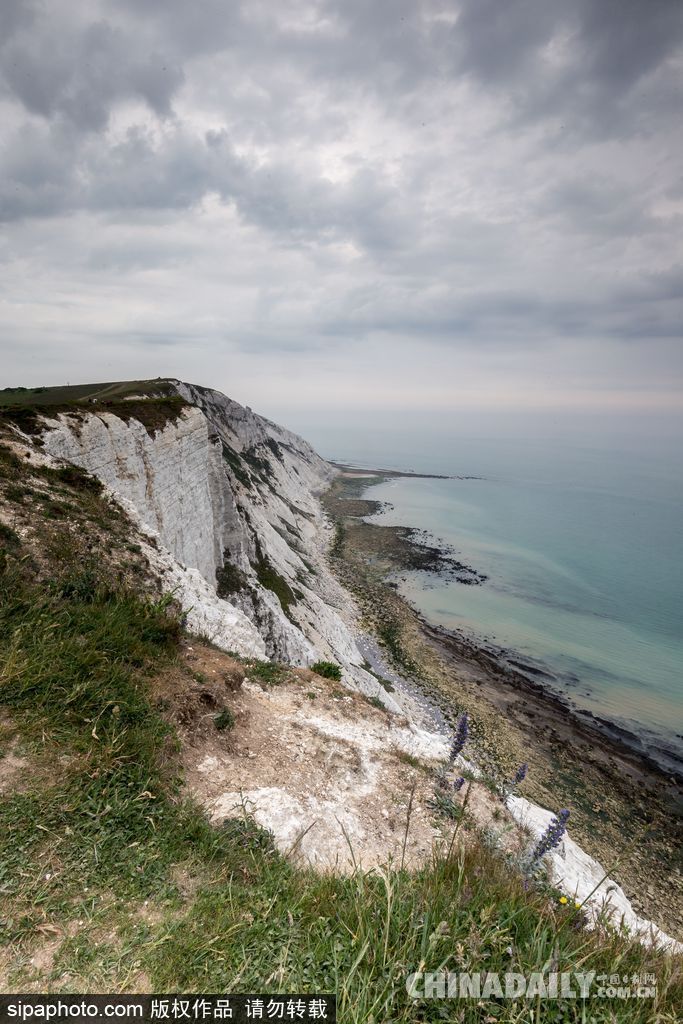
(224, 720)
(8, 537)
(103, 811)
(68, 393)
(72, 667)
(234, 460)
(327, 669)
(9, 462)
(76, 477)
(443, 804)
(260, 466)
(230, 579)
(389, 633)
(337, 546)
(271, 579)
(17, 492)
(270, 672)
(376, 702)
(382, 680)
(280, 928)
(153, 413)
(405, 758)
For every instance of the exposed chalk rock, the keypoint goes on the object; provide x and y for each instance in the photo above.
(359, 818)
(205, 614)
(229, 492)
(171, 478)
(581, 877)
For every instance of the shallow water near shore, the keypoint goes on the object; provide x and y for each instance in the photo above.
(583, 550)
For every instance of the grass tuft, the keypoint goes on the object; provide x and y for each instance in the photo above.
(230, 579)
(271, 579)
(270, 672)
(327, 669)
(9, 538)
(224, 720)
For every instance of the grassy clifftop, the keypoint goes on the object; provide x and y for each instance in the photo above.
(84, 393)
(112, 879)
(153, 403)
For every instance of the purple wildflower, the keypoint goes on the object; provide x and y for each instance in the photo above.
(458, 784)
(520, 774)
(552, 836)
(462, 731)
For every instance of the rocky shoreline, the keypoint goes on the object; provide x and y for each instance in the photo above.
(503, 666)
(618, 795)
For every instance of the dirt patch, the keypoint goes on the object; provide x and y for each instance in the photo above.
(12, 769)
(338, 782)
(6, 964)
(12, 764)
(193, 693)
(43, 956)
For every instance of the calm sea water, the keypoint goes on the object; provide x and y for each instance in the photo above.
(583, 549)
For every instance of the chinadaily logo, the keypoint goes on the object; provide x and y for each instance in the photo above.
(537, 984)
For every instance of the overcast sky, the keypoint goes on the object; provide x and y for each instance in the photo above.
(326, 207)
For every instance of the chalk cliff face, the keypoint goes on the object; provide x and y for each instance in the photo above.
(235, 497)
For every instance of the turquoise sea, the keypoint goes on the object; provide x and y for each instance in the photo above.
(583, 548)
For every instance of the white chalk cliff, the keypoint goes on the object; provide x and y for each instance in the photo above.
(228, 492)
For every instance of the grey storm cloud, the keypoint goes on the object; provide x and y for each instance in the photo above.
(609, 45)
(81, 74)
(294, 177)
(580, 62)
